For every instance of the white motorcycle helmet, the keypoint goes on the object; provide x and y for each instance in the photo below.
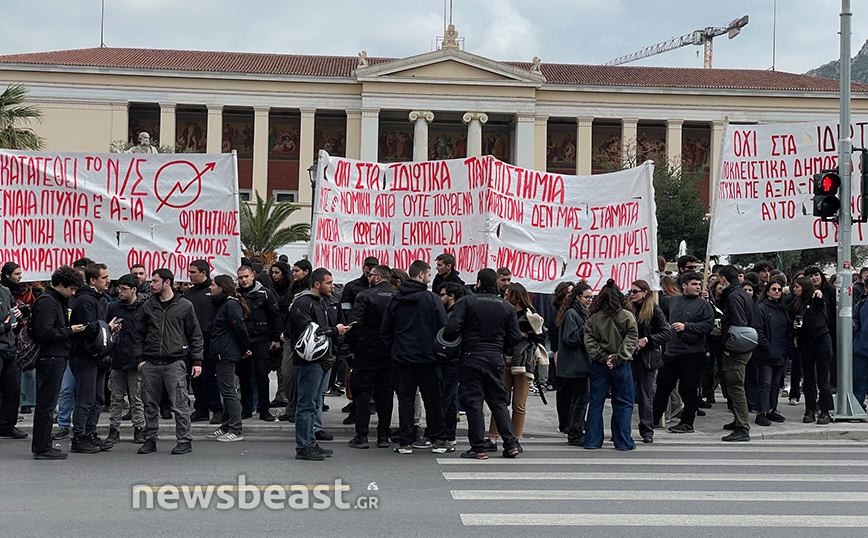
(310, 345)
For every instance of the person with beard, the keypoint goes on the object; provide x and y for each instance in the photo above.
(450, 294)
(205, 386)
(301, 271)
(445, 272)
(144, 290)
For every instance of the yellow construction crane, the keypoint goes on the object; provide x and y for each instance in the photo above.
(698, 37)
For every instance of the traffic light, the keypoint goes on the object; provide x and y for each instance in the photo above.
(826, 202)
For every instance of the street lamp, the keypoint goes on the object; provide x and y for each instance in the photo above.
(311, 172)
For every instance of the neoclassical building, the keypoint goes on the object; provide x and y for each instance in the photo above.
(278, 110)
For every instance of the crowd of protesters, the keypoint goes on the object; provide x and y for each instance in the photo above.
(140, 344)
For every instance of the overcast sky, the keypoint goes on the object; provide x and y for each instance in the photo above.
(558, 31)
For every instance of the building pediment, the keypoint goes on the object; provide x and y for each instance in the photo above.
(449, 66)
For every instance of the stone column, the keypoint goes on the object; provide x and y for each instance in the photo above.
(214, 138)
(420, 119)
(354, 133)
(260, 151)
(673, 142)
(475, 121)
(629, 140)
(370, 135)
(167, 125)
(584, 145)
(306, 155)
(524, 153)
(540, 135)
(121, 123)
(714, 160)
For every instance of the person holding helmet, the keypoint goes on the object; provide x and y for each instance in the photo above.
(310, 336)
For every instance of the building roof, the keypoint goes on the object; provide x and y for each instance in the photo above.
(343, 66)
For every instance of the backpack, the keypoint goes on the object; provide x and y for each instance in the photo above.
(28, 350)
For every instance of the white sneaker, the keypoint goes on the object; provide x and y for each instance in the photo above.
(215, 434)
(453, 442)
(229, 437)
(794, 401)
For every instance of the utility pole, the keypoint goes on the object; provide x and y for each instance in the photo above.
(846, 406)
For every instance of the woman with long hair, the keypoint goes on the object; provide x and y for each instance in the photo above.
(562, 401)
(229, 342)
(811, 337)
(669, 287)
(574, 364)
(654, 331)
(532, 334)
(281, 276)
(301, 271)
(770, 355)
(611, 338)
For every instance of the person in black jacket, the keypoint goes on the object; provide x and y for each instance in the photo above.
(410, 323)
(830, 295)
(354, 287)
(773, 332)
(263, 328)
(307, 307)
(690, 318)
(51, 330)
(739, 310)
(450, 294)
(373, 370)
(229, 342)
(811, 334)
(167, 333)
(205, 386)
(445, 264)
(573, 362)
(487, 325)
(124, 376)
(654, 332)
(89, 306)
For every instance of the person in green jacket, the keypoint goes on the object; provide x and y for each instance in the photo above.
(611, 338)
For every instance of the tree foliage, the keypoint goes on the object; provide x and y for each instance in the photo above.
(262, 229)
(13, 113)
(681, 214)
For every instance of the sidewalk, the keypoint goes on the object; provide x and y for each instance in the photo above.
(541, 423)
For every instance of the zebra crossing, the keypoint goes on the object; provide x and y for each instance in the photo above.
(782, 486)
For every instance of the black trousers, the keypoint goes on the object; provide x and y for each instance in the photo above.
(816, 366)
(379, 383)
(49, 375)
(425, 377)
(253, 373)
(643, 382)
(206, 388)
(89, 395)
(684, 368)
(478, 384)
(10, 389)
(576, 391)
(751, 383)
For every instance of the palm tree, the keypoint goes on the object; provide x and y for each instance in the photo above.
(13, 111)
(262, 231)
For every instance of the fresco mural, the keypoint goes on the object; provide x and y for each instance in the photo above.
(332, 137)
(395, 143)
(144, 121)
(561, 150)
(191, 133)
(496, 144)
(650, 143)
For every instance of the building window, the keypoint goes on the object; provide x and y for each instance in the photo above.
(245, 195)
(285, 196)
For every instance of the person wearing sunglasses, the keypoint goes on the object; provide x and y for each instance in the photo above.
(686, 264)
(772, 351)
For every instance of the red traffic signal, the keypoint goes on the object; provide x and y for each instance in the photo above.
(826, 202)
(827, 183)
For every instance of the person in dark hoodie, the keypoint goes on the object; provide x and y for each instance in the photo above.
(124, 376)
(308, 308)
(229, 342)
(281, 275)
(52, 332)
(573, 362)
(410, 324)
(830, 294)
(373, 370)
(488, 326)
(812, 337)
(89, 306)
(770, 355)
(739, 310)
(205, 386)
(445, 272)
(354, 287)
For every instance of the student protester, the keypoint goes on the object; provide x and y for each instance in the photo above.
(763, 269)
(685, 264)
(504, 278)
(52, 332)
(611, 338)
(445, 272)
(450, 294)
(820, 282)
(812, 338)
(229, 342)
(770, 356)
(410, 324)
(574, 364)
(287, 389)
(654, 332)
(487, 326)
(23, 294)
(860, 352)
(354, 287)
(167, 333)
(144, 289)
(124, 374)
(10, 375)
(205, 386)
(562, 402)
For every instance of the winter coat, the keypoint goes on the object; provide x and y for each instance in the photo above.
(167, 332)
(773, 332)
(573, 358)
(488, 326)
(440, 281)
(698, 319)
(860, 329)
(364, 339)
(89, 307)
(814, 319)
(7, 336)
(411, 321)
(658, 333)
(229, 340)
(200, 296)
(122, 354)
(524, 356)
(308, 307)
(605, 336)
(264, 320)
(739, 309)
(49, 324)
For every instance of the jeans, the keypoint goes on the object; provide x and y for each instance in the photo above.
(578, 391)
(66, 400)
(310, 381)
(10, 389)
(28, 388)
(517, 387)
(426, 377)
(450, 376)
(733, 374)
(816, 366)
(620, 381)
(769, 387)
(323, 388)
(478, 384)
(643, 384)
(686, 371)
(119, 380)
(231, 405)
(376, 382)
(174, 377)
(860, 376)
(49, 376)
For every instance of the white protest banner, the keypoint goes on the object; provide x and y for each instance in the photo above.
(764, 195)
(160, 210)
(544, 227)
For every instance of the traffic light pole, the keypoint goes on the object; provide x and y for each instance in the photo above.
(846, 406)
